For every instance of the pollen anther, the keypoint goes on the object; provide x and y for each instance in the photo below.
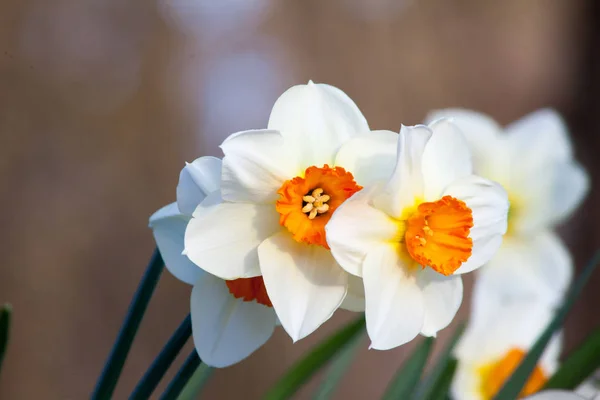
(316, 203)
(315, 194)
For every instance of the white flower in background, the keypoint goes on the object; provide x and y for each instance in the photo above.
(494, 344)
(279, 188)
(557, 395)
(230, 319)
(533, 160)
(411, 237)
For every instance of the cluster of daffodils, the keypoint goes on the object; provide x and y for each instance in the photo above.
(516, 293)
(318, 212)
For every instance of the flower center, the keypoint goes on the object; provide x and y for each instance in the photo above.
(437, 234)
(306, 203)
(315, 203)
(494, 375)
(249, 289)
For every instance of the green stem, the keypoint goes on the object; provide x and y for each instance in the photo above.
(579, 365)
(183, 376)
(196, 383)
(404, 384)
(163, 361)
(113, 367)
(306, 367)
(338, 368)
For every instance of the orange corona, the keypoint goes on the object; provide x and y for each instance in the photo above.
(494, 375)
(306, 203)
(437, 234)
(250, 289)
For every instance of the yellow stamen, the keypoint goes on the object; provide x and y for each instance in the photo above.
(315, 204)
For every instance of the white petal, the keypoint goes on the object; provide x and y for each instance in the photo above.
(370, 157)
(494, 331)
(466, 383)
(355, 298)
(529, 268)
(442, 296)
(446, 158)
(555, 395)
(488, 202)
(406, 182)
(222, 238)
(548, 195)
(225, 329)
(549, 361)
(168, 226)
(394, 302)
(304, 283)
(255, 165)
(355, 228)
(543, 130)
(318, 119)
(484, 136)
(196, 181)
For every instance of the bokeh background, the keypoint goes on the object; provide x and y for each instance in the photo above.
(102, 102)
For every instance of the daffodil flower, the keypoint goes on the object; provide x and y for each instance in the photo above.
(279, 188)
(411, 237)
(230, 319)
(532, 159)
(494, 344)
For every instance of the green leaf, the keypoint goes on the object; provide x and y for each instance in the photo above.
(579, 365)
(116, 360)
(442, 385)
(407, 378)
(339, 366)
(182, 377)
(289, 383)
(513, 386)
(5, 315)
(196, 383)
(163, 361)
(432, 387)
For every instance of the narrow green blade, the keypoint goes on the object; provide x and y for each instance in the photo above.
(407, 378)
(442, 385)
(196, 383)
(513, 386)
(183, 376)
(443, 370)
(5, 315)
(289, 383)
(163, 361)
(113, 367)
(580, 364)
(339, 366)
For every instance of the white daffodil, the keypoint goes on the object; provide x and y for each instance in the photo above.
(533, 159)
(230, 319)
(411, 237)
(494, 344)
(279, 188)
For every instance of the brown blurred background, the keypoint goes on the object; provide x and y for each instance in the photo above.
(102, 102)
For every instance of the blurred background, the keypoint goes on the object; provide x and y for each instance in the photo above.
(102, 102)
